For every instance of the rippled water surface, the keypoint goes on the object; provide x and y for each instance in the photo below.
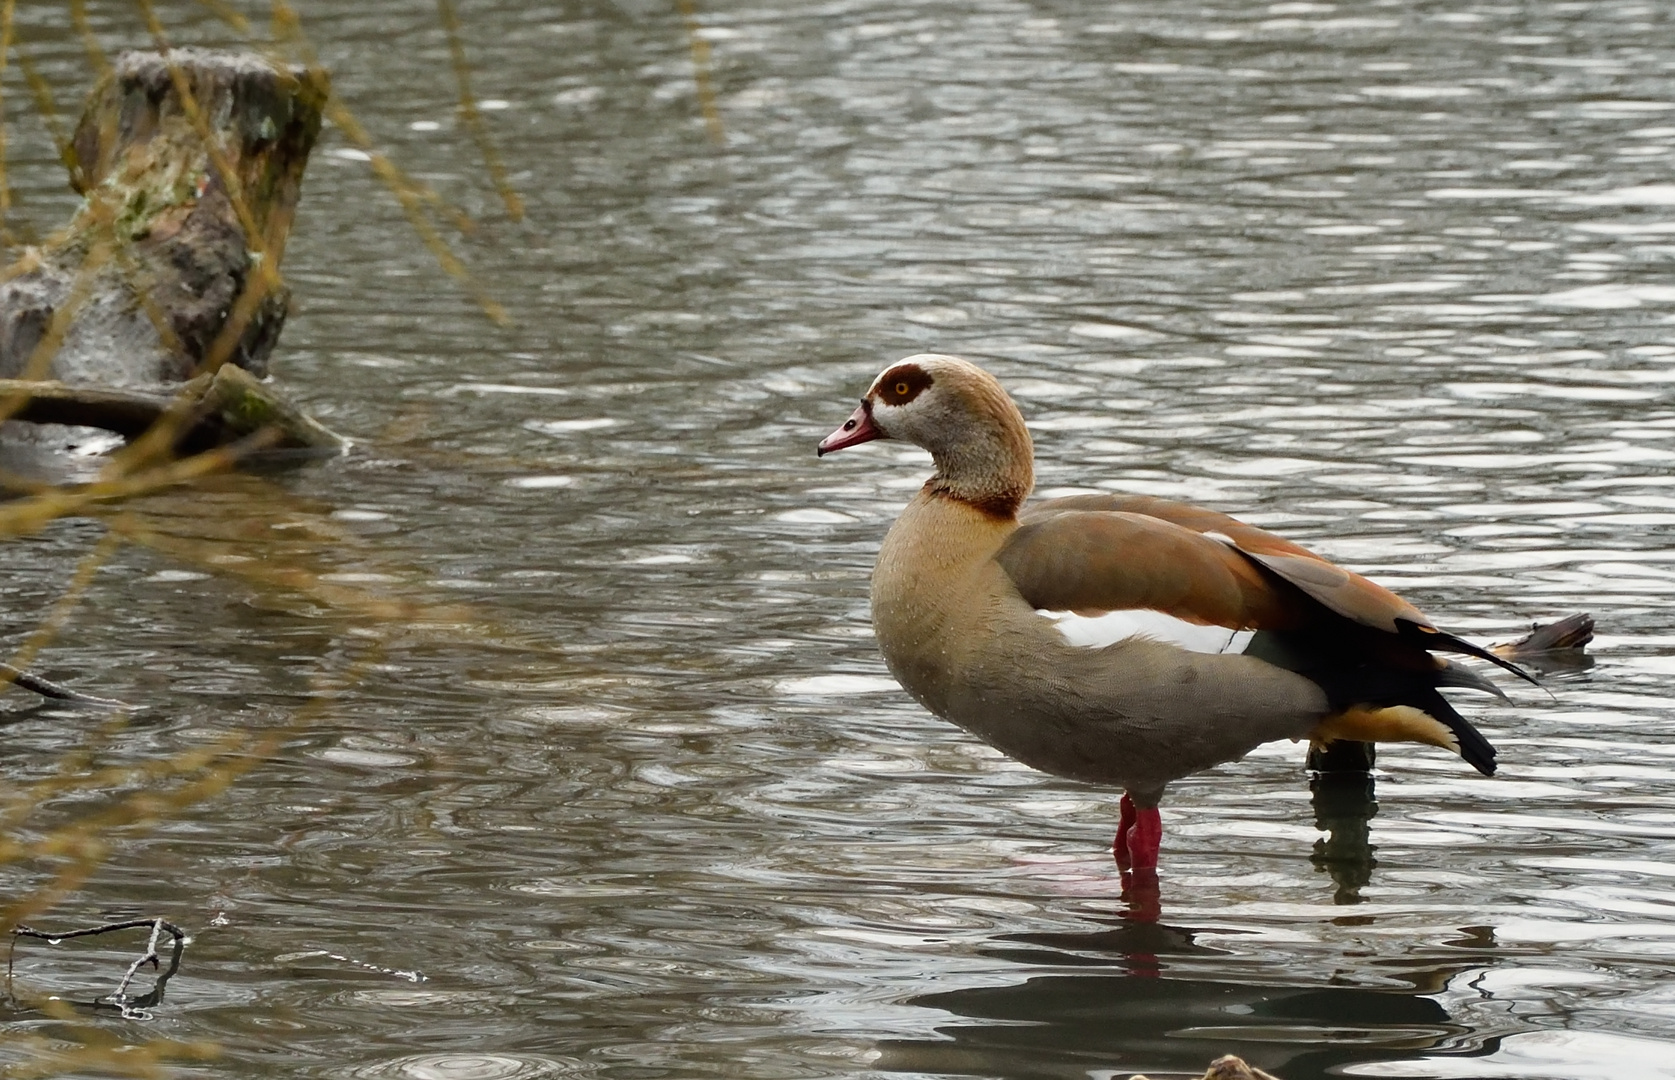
(573, 702)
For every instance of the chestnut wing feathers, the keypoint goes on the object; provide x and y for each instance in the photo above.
(1091, 562)
(1338, 590)
(1360, 642)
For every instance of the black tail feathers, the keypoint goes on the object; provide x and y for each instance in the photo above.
(1430, 638)
(1477, 751)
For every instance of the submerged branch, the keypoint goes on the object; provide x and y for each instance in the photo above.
(119, 999)
(206, 411)
(43, 687)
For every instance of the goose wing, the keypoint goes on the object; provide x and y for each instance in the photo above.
(1085, 545)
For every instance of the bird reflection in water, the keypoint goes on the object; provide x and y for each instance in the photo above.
(1341, 786)
(1141, 893)
(1137, 995)
(1081, 1025)
(1136, 1006)
(1139, 1004)
(1344, 801)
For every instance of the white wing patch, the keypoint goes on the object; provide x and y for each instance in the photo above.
(1098, 631)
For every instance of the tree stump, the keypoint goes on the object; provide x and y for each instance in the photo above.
(191, 163)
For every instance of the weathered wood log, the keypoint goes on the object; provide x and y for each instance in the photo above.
(239, 405)
(126, 412)
(191, 163)
(1570, 634)
(212, 409)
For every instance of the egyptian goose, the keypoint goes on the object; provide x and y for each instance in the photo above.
(1127, 640)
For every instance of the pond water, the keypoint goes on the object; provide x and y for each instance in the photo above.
(569, 696)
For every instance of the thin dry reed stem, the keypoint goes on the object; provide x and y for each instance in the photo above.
(472, 116)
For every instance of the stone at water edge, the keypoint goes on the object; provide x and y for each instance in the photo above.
(1229, 1068)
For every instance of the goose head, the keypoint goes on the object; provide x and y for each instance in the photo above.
(958, 412)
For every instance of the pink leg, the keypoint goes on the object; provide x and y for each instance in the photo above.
(1146, 838)
(1125, 823)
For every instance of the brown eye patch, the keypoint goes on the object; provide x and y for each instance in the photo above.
(903, 383)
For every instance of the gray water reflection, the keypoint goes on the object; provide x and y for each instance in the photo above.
(627, 781)
(1081, 1025)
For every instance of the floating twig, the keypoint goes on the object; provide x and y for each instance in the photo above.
(130, 1007)
(394, 973)
(43, 687)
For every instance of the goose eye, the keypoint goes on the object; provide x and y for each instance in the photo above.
(904, 385)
